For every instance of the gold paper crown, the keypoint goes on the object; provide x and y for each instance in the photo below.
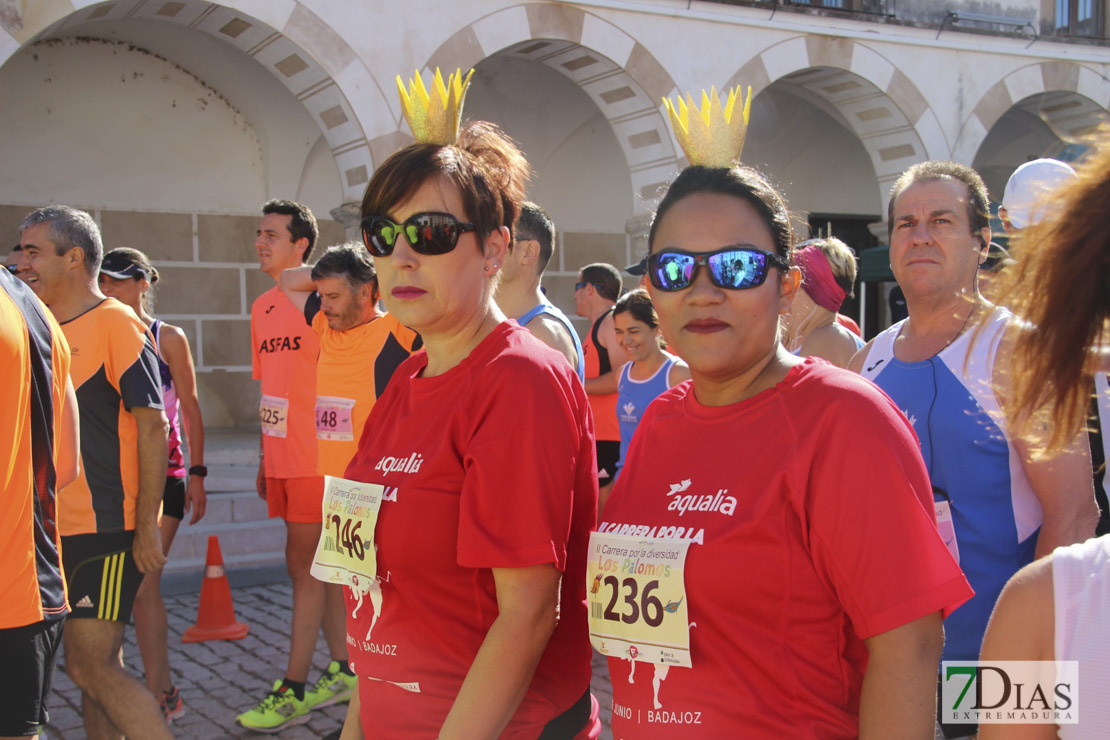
(714, 136)
(434, 118)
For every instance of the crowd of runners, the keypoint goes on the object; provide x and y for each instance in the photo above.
(791, 527)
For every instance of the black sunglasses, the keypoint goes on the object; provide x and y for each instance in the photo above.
(427, 233)
(732, 268)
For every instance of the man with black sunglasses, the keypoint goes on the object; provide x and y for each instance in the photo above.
(999, 502)
(595, 295)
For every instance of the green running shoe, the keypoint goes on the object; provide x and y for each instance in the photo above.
(333, 686)
(280, 709)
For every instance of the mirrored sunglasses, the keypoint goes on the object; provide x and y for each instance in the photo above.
(731, 268)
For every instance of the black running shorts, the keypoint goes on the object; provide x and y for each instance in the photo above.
(101, 575)
(608, 455)
(173, 497)
(26, 675)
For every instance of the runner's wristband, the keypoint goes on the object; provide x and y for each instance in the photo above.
(199, 471)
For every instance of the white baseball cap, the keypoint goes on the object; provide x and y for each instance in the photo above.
(1030, 188)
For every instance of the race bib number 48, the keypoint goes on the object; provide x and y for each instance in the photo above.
(345, 552)
(638, 599)
(333, 418)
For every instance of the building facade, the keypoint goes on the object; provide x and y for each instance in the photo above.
(173, 121)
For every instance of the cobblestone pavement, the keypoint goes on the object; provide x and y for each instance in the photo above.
(220, 679)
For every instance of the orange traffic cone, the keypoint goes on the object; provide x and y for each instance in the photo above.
(216, 613)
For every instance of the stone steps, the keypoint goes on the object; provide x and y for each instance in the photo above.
(235, 513)
(247, 537)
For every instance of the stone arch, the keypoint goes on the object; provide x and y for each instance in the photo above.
(625, 81)
(287, 39)
(1076, 86)
(875, 99)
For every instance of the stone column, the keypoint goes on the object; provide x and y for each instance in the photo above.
(349, 214)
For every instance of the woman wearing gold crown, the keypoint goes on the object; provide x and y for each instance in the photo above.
(475, 625)
(770, 547)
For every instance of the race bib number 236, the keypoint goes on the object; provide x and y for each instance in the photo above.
(637, 598)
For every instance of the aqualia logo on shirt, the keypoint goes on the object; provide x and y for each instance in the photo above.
(629, 410)
(410, 464)
(683, 502)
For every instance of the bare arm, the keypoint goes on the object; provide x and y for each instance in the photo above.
(1063, 483)
(898, 698)
(1065, 487)
(553, 334)
(856, 363)
(153, 453)
(1022, 627)
(607, 336)
(68, 441)
(260, 481)
(175, 350)
(352, 725)
(680, 373)
(603, 384)
(296, 283)
(829, 343)
(528, 606)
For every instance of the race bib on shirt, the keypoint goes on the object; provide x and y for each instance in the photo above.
(333, 418)
(345, 552)
(637, 598)
(947, 528)
(274, 411)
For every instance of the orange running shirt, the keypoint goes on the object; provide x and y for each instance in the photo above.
(354, 368)
(115, 368)
(606, 425)
(35, 360)
(284, 352)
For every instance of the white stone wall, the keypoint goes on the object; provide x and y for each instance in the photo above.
(173, 120)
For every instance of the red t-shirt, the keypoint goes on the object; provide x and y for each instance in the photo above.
(813, 520)
(283, 356)
(490, 465)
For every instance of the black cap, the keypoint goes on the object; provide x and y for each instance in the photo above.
(640, 268)
(121, 267)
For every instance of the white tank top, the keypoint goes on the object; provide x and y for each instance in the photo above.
(1081, 592)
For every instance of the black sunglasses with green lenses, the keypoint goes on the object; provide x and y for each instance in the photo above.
(731, 268)
(427, 233)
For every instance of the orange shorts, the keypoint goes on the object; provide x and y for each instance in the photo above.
(296, 499)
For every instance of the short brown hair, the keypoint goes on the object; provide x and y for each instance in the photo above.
(302, 224)
(638, 303)
(604, 277)
(484, 164)
(534, 223)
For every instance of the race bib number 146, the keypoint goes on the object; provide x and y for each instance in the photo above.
(345, 552)
(637, 598)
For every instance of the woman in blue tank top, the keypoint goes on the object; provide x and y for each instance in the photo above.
(649, 371)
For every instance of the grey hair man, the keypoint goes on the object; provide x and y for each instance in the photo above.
(108, 517)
